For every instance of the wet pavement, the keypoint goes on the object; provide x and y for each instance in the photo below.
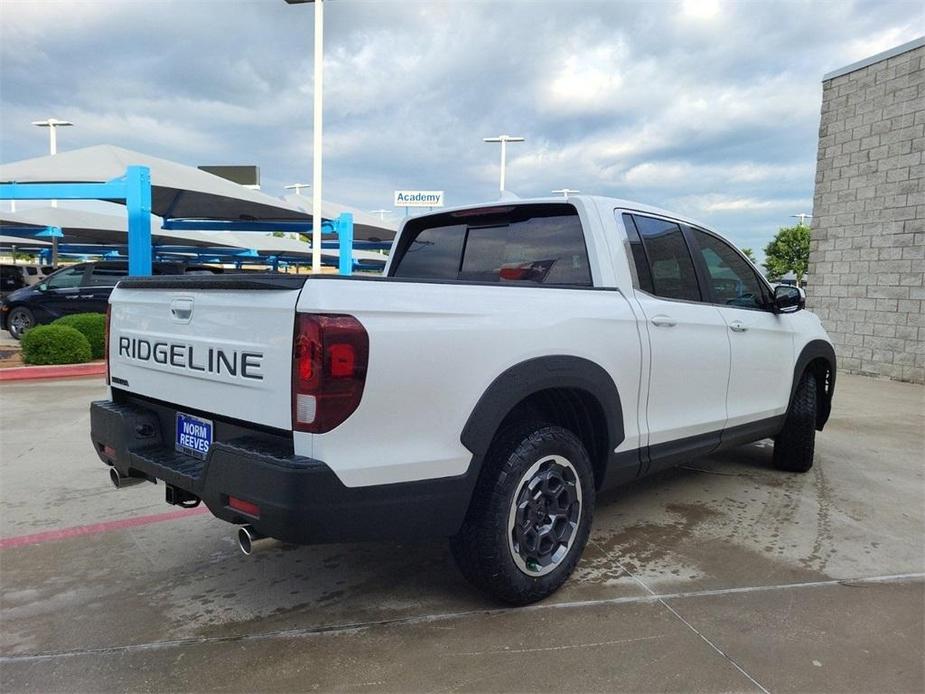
(724, 575)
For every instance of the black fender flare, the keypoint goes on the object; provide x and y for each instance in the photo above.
(816, 349)
(532, 376)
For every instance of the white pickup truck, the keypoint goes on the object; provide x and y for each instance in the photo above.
(514, 360)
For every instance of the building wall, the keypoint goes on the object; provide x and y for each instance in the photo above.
(867, 255)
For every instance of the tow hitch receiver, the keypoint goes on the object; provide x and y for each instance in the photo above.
(180, 497)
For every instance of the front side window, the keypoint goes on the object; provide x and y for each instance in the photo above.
(733, 282)
(535, 244)
(670, 264)
(67, 278)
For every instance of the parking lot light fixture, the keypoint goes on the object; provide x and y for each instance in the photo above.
(297, 187)
(802, 217)
(318, 90)
(565, 192)
(503, 139)
(52, 124)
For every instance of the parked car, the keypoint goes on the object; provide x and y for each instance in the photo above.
(81, 288)
(13, 277)
(514, 361)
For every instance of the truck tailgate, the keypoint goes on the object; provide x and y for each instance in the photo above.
(208, 345)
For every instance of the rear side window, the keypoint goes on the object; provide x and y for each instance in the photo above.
(669, 259)
(640, 262)
(106, 276)
(532, 244)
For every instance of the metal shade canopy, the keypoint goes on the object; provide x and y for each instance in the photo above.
(177, 190)
(27, 242)
(100, 232)
(366, 227)
(82, 227)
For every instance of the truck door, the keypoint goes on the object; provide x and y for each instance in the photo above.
(761, 341)
(689, 348)
(59, 295)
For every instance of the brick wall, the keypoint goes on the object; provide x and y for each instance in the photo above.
(867, 256)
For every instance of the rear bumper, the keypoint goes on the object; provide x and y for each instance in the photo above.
(301, 500)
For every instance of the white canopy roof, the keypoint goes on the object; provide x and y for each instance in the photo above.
(177, 190)
(185, 192)
(80, 226)
(22, 242)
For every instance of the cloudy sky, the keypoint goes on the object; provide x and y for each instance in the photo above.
(707, 107)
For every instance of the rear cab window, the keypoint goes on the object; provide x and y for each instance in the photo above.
(540, 244)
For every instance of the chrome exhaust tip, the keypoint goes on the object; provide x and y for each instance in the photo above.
(247, 536)
(120, 481)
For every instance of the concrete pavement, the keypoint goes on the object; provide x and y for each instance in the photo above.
(723, 575)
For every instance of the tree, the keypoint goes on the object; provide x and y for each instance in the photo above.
(788, 252)
(749, 254)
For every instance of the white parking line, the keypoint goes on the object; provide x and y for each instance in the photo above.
(444, 616)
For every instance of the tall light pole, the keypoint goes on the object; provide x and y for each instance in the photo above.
(802, 217)
(297, 187)
(565, 192)
(317, 126)
(503, 139)
(53, 124)
(381, 214)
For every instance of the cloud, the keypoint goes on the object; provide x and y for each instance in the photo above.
(709, 107)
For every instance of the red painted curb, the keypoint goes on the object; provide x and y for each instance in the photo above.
(121, 524)
(28, 373)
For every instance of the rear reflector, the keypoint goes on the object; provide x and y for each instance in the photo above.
(106, 340)
(329, 358)
(247, 507)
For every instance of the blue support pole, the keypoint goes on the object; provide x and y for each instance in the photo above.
(343, 225)
(138, 203)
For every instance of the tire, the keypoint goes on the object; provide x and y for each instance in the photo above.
(19, 321)
(530, 514)
(795, 444)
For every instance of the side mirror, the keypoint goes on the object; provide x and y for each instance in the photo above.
(788, 299)
(42, 286)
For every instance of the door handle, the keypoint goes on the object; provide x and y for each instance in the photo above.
(663, 321)
(738, 326)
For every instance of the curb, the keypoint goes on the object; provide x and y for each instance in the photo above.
(29, 373)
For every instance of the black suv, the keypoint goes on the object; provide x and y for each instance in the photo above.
(82, 288)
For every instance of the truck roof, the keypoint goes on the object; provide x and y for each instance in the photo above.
(602, 200)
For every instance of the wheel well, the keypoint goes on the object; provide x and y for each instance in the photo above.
(825, 385)
(574, 409)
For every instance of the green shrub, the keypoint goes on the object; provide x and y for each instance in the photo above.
(55, 344)
(93, 327)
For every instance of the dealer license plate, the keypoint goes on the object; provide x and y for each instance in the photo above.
(194, 435)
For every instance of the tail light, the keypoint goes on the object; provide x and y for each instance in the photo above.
(106, 340)
(329, 358)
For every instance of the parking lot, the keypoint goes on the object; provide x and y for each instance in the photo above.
(723, 575)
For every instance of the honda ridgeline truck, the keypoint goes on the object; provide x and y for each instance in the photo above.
(515, 360)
